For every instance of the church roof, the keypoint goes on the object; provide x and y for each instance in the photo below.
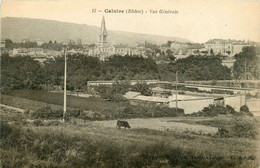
(103, 29)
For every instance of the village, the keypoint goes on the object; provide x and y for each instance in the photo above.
(164, 53)
(132, 91)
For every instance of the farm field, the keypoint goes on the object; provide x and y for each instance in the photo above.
(93, 104)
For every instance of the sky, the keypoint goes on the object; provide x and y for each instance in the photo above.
(197, 21)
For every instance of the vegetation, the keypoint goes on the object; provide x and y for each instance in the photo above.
(37, 145)
(143, 88)
(246, 65)
(215, 110)
(10, 45)
(28, 74)
(20, 73)
(32, 99)
(82, 108)
(196, 68)
(114, 92)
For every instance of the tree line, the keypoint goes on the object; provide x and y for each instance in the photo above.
(26, 73)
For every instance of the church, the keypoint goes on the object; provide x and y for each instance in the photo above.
(104, 49)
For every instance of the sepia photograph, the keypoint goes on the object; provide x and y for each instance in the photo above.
(130, 84)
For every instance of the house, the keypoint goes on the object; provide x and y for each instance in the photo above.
(182, 53)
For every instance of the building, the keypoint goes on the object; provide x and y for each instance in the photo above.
(104, 49)
(226, 47)
(39, 42)
(79, 41)
(177, 45)
(25, 40)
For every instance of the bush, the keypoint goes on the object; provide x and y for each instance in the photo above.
(167, 112)
(47, 113)
(5, 130)
(131, 111)
(215, 110)
(244, 127)
(38, 122)
(143, 88)
(245, 110)
(241, 126)
(114, 92)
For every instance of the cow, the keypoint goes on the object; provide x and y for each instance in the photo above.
(120, 124)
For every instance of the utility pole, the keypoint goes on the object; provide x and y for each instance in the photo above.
(245, 81)
(176, 98)
(65, 86)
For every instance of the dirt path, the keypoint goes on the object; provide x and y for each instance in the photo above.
(162, 124)
(12, 108)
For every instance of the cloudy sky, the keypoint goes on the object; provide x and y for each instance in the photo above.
(197, 21)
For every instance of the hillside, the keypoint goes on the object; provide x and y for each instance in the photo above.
(17, 29)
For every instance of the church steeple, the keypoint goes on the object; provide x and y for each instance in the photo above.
(102, 39)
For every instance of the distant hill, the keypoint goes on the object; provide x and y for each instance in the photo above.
(17, 29)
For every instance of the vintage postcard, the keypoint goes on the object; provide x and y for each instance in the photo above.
(130, 84)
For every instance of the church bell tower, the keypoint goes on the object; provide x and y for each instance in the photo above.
(102, 38)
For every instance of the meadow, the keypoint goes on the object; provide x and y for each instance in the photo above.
(87, 144)
(94, 104)
(41, 142)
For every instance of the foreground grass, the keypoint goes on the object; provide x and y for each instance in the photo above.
(86, 144)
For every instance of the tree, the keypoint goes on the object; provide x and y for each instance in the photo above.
(143, 88)
(25, 75)
(8, 44)
(170, 55)
(211, 52)
(246, 64)
(169, 43)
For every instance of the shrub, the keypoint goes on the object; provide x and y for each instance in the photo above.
(143, 88)
(117, 97)
(241, 126)
(47, 113)
(114, 92)
(167, 112)
(38, 122)
(244, 127)
(245, 110)
(215, 110)
(131, 111)
(5, 129)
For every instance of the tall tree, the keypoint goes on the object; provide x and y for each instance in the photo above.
(246, 65)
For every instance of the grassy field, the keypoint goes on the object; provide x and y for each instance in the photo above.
(151, 142)
(92, 146)
(93, 104)
(80, 143)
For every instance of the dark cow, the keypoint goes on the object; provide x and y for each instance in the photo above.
(120, 124)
